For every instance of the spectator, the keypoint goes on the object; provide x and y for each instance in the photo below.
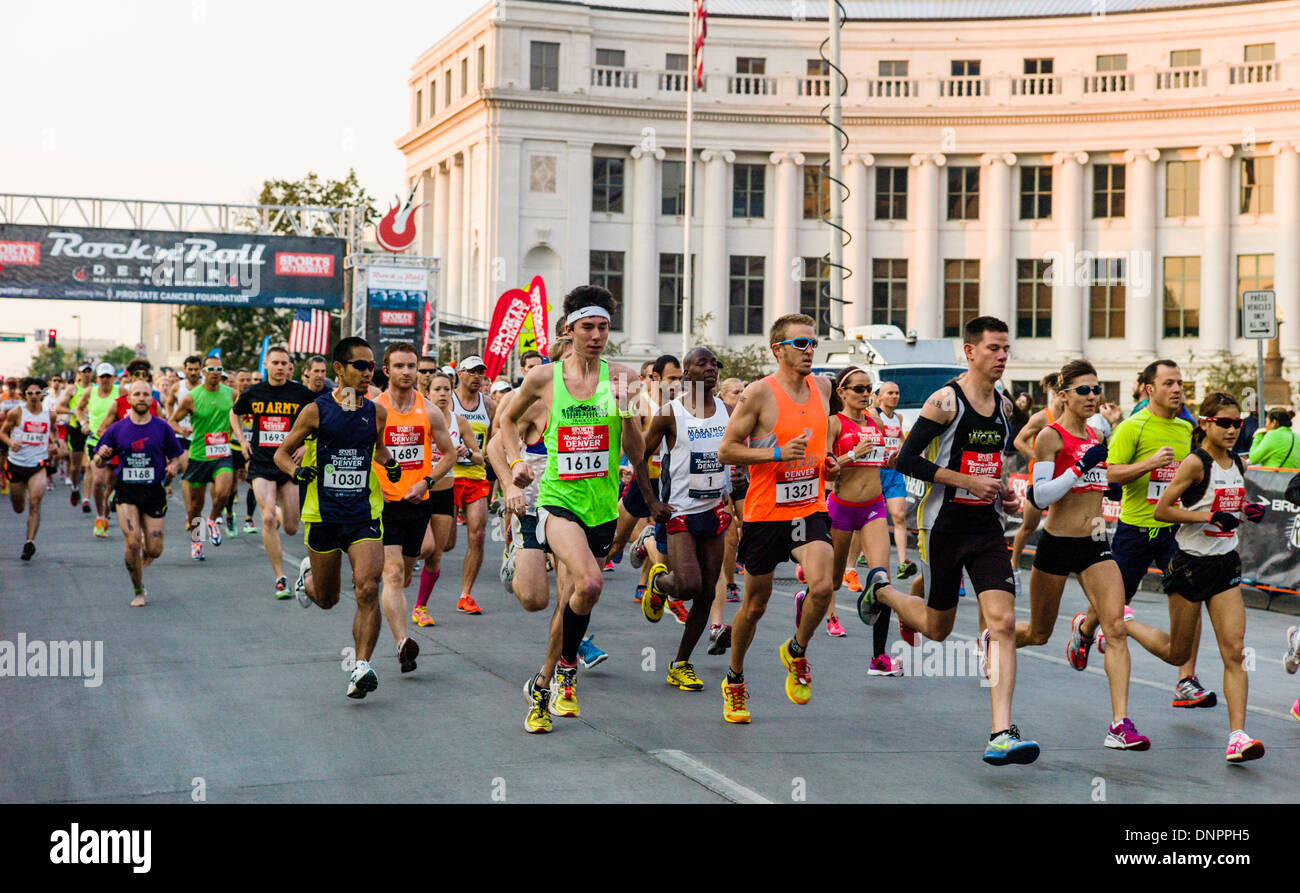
(1275, 446)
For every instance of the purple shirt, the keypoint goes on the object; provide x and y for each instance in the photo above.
(142, 450)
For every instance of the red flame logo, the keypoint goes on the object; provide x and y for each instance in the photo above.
(396, 231)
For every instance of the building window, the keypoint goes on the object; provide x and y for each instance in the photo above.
(481, 73)
(1257, 185)
(675, 62)
(544, 66)
(746, 306)
(889, 292)
(1033, 300)
(1182, 188)
(816, 193)
(1106, 297)
(670, 291)
(814, 293)
(1182, 278)
(611, 58)
(1113, 62)
(1036, 192)
(607, 185)
(1038, 66)
(672, 191)
(607, 272)
(963, 193)
(1259, 52)
(464, 76)
(446, 88)
(891, 193)
(419, 107)
(433, 96)
(750, 65)
(541, 173)
(818, 68)
(961, 295)
(747, 190)
(1108, 190)
(893, 68)
(1184, 58)
(1254, 271)
(965, 68)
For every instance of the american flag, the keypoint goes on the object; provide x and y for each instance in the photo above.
(702, 19)
(310, 332)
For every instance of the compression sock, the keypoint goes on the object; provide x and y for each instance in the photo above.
(575, 627)
(880, 632)
(250, 504)
(734, 678)
(427, 581)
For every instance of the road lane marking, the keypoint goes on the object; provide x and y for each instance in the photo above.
(685, 764)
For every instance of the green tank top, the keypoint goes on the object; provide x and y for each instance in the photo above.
(211, 417)
(77, 391)
(583, 438)
(96, 408)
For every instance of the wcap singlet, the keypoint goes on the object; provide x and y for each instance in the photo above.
(790, 488)
(695, 481)
(582, 447)
(970, 444)
(1071, 452)
(406, 434)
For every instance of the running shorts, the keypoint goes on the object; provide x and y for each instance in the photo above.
(442, 502)
(267, 472)
(21, 474)
(237, 462)
(185, 444)
(468, 491)
(855, 515)
(330, 536)
(981, 554)
(205, 471)
(404, 525)
(701, 525)
(1198, 578)
(765, 544)
(1065, 555)
(1136, 550)
(599, 538)
(76, 439)
(528, 533)
(150, 499)
(892, 484)
(633, 501)
(738, 491)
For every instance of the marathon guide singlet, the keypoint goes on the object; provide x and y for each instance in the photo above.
(790, 488)
(345, 489)
(582, 448)
(696, 480)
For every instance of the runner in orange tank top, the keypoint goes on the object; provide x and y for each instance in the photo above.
(784, 418)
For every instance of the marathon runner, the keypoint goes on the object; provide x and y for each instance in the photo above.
(146, 449)
(93, 408)
(271, 408)
(1144, 454)
(208, 409)
(956, 448)
(412, 428)
(1205, 567)
(53, 394)
(472, 487)
(241, 382)
(892, 484)
(68, 404)
(783, 417)
(344, 502)
(729, 392)
(1031, 515)
(11, 398)
(1069, 474)
(695, 484)
(26, 432)
(586, 400)
(193, 379)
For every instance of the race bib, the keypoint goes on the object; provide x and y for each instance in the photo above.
(344, 478)
(34, 434)
(1226, 499)
(707, 476)
(272, 430)
(797, 486)
(138, 475)
(878, 455)
(1094, 478)
(1160, 478)
(582, 451)
(216, 445)
(406, 445)
(985, 465)
(893, 439)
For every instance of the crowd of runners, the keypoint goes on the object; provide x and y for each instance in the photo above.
(708, 483)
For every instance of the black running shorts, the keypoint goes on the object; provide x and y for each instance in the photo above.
(982, 554)
(21, 474)
(599, 538)
(150, 499)
(76, 439)
(442, 502)
(1065, 555)
(268, 472)
(404, 525)
(1198, 578)
(329, 536)
(765, 544)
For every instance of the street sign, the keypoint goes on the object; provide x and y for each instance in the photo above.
(1259, 314)
(13, 338)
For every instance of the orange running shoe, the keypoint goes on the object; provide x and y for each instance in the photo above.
(467, 605)
(851, 580)
(679, 610)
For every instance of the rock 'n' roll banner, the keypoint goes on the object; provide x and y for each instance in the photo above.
(157, 267)
(537, 308)
(507, 319)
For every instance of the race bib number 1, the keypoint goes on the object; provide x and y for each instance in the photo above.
(1160, 478)
(583, 452)
(984, 465)
(707, 477)
(216, 445)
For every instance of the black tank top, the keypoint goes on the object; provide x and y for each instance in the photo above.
(971, 444)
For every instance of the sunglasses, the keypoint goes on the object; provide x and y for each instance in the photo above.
(1084, 390)
(140, 373)
(1226, 423)
(213, 369)
(362, 365)
(800, 343)
(859, 388)
(428, 371)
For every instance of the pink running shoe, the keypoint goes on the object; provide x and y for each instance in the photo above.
(833, 628)
(1295, 710)
(1124, 736)
(1242, 747)
(798, 573)
(884, 665)
(798, 606)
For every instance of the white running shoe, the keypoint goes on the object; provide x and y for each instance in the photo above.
(300, 585)
(1291, 660)
(363, 680)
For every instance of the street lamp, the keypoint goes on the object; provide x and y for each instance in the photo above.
(77, 317)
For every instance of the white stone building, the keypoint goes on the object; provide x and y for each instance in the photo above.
(991, 144)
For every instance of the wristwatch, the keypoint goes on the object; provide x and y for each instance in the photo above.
(428, 482)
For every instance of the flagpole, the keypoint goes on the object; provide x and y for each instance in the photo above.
(688, 168)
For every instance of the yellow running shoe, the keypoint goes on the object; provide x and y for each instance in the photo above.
(652, 602)
(733, 702)
(564, 691)
(682, 675)
(538, 721)
(421, 616)
(798, 679)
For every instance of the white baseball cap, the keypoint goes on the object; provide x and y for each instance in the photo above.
(470, 363)
(105, 369)
(500, 386)
(448, 369)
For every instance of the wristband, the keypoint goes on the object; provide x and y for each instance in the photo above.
(516, 462)
(776, 453)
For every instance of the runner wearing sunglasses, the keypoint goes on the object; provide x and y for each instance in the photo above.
(1030, 515)
(28, 433)
(207, 407)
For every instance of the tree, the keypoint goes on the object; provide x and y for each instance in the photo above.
(49, 361)
(119, 356)
(238, 332)
(748, 363)
(1222, 371)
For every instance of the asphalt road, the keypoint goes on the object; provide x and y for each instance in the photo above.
(215, 689)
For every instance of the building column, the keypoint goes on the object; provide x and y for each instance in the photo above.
(1286, 260)
(1068, 296)
(1218, 298)
(455, 235)
(710, 290)
(574, 243)
(924, 268)
(997, 284)
(426, 224)
(857, 256)
(785, 282)
(441, 206)
(1144, 309)
(468, 300)
(641, 315)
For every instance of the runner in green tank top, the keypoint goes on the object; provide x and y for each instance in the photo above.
(76, 434)
(577, 502)
(92, 406)
(208, 408)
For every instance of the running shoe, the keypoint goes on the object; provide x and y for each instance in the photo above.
(862, 561)
(282, 590)
(196, 551)
(467, 605)
(75, 498)
(1189, 693)
(1076, 650)
(421, 616)
(907, 634)
(1009, 747)
(1295, 710)
(609, 566)
(249, 526)
(884, 665)
(740, 569)
(407, 651)
(639, 550)
(733, 592)
(652, 601)
(851, 580)
(733, 702)
(214, 532)
(101, 528)
(507, 573)
(720, 641)
(982, 652)
(640, 591)
(1291, 660)
(682, 675)
(29, 549)
(1124, 736)
(537, 721)
(799, 598)
(798, 573)
(868, 607)
(234, 528)
(589, 654)
(363, 680)
(617, 558)
(1242, 747)
(85, 506)
(300, 585)
(564, 691)
(833, 628)
(678, 609)
(798, 675)
(905, 569)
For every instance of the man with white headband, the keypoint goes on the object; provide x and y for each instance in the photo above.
(587, 399)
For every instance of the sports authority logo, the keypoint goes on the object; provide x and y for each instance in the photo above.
(21, 254)
(295, 264)
(397, 317)
(396, 231)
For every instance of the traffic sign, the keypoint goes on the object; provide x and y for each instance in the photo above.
(1259, 314)
(13, 337)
